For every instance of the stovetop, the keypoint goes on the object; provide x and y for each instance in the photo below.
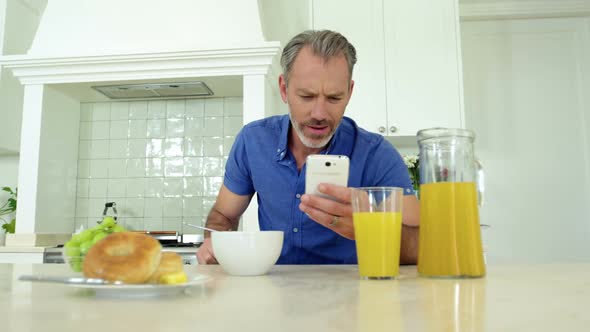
(181, 245)
(164, 245)
(186, 250)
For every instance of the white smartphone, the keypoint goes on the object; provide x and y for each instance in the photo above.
(325, 168)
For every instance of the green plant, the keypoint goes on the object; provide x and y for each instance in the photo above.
(413, 164)
(8, 208)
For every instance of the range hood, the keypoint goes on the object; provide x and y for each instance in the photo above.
(108, 27)
(135, 40)
(155, 90)
(85, 43)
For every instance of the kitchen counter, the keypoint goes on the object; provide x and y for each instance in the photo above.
(311, 298)
(21, 254)
(22, 249)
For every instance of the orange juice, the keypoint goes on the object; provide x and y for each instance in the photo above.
(378, 236)
(450, 239)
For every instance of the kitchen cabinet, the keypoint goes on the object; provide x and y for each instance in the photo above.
(362, 24)
(408, 75)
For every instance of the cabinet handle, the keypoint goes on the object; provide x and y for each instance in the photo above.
(382, 129)
(393, 129)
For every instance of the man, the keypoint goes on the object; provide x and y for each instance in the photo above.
(268, 157)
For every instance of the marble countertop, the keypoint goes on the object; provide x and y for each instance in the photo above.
(311, 298)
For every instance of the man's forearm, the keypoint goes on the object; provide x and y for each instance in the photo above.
(217, 220)
(409, 245)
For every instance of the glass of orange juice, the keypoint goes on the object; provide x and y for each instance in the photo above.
(377, 218)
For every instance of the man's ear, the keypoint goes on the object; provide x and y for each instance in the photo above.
(350, 88)
(283, 87)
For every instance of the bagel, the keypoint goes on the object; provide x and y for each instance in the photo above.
(170, 263)
(127, 256)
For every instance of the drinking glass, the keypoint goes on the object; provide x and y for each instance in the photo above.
(377, 218)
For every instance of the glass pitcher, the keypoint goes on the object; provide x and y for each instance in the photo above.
(450, 239)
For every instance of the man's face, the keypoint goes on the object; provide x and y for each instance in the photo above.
(317, 94)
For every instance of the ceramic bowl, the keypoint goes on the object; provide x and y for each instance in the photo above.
(247, 253)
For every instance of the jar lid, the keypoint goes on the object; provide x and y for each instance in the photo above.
(439, 132)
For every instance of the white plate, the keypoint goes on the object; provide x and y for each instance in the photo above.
(143, 290)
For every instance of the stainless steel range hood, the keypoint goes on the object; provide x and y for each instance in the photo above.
(155, 90)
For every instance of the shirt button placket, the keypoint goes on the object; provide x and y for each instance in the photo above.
(296, 229)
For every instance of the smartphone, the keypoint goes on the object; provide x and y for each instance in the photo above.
(325, 168)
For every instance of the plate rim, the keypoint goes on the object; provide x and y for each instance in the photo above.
(193, 281)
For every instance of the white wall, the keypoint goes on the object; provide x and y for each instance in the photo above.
(161, 161)
(8, 171)
(526, 93)
(281, 21)
(56, 191)
(22, 19)
(18, 22)
(11, 103)
(8, 176)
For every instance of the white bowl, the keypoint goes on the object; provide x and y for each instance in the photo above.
(247, 253)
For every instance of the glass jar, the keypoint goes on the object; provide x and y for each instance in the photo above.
(450, 239)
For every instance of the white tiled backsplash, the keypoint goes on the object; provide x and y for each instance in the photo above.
(161, 161)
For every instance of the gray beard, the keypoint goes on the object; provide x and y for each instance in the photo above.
(306, 141)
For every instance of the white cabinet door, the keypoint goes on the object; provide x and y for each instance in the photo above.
(423, 65)
(408, 74)
(361, 22)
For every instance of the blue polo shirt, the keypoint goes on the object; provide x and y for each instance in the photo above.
(260, 161)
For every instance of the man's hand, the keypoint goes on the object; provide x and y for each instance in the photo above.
(205, 253)
(335, 215)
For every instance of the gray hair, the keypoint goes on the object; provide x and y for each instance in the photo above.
(324, 43)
